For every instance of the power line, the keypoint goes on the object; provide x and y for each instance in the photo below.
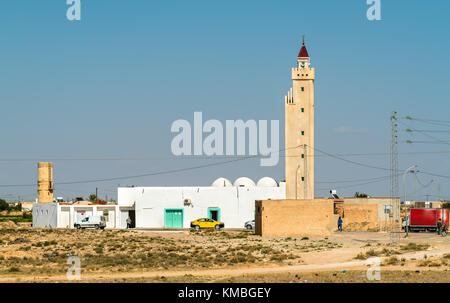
(352, 181)
(136, 176)
(359, 184)
(372, 180)
(408, 130)
(427, 120)
(153, 173)
(427, 142)
(18, 185)
(186, 169)
(435, 175)
(350, 161)
(421, 184)
(424, 133)
(380, 179)
(216, 157)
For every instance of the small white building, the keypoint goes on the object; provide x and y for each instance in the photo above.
(176, 207)
(169, 207)
(57, 215)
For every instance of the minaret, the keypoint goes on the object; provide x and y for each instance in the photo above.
(299, 130)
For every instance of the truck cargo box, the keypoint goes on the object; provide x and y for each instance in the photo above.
(423, 217)
(426, 218)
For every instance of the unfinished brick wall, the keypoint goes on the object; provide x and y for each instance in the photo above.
(360, 217)
(362, 213)
(313, 217)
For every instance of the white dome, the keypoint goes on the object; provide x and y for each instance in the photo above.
(267, 182)
(222, 182)
(244, 182)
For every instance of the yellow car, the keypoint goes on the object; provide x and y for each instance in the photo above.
(207, 223)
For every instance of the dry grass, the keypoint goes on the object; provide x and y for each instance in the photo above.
(387, 252)
(352, 276)
(30, 252)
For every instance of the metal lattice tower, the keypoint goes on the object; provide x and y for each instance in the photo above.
(394, 216)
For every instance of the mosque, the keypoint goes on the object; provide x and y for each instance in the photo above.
(231, 203)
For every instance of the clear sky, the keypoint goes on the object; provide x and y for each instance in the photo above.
(110, 86)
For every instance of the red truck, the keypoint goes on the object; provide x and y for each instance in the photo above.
(425, 219)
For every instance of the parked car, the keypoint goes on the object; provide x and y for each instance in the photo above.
(97, 222)
(250, 224)
(207, 223)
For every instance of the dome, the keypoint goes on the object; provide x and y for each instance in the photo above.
(222, 182)
(244, 182)
(267, 182)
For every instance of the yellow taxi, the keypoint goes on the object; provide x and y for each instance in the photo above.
(207, 223)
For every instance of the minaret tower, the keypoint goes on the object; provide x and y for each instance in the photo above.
(299, 130)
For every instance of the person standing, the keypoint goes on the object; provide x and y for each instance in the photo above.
(439, 225)
(340, 224)
(128, 222)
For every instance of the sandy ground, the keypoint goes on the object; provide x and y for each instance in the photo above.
(326, 261)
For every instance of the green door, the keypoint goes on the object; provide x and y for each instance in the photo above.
(214, 213)
(173, 218)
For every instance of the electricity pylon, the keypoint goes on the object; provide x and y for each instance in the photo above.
(394, 216)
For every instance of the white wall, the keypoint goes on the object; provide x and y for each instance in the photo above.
(126, 196)
(236, 204)
(45, 215)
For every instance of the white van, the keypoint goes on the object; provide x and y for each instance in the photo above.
(97, 222)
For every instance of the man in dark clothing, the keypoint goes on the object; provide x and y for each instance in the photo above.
(439, 225)
(340, 224)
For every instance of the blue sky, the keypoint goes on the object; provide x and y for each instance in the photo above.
(110, 85)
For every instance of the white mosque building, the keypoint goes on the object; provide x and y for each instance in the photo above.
(176, 207)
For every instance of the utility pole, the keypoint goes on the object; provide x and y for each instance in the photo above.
(96, 194)
(432, 183)
(415, 186)
(439, 191)
(410, 169)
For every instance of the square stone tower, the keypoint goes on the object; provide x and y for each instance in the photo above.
(299, 130)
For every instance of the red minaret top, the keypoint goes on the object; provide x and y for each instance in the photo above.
(303, 52)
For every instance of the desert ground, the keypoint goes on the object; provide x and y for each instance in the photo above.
(41, 255)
